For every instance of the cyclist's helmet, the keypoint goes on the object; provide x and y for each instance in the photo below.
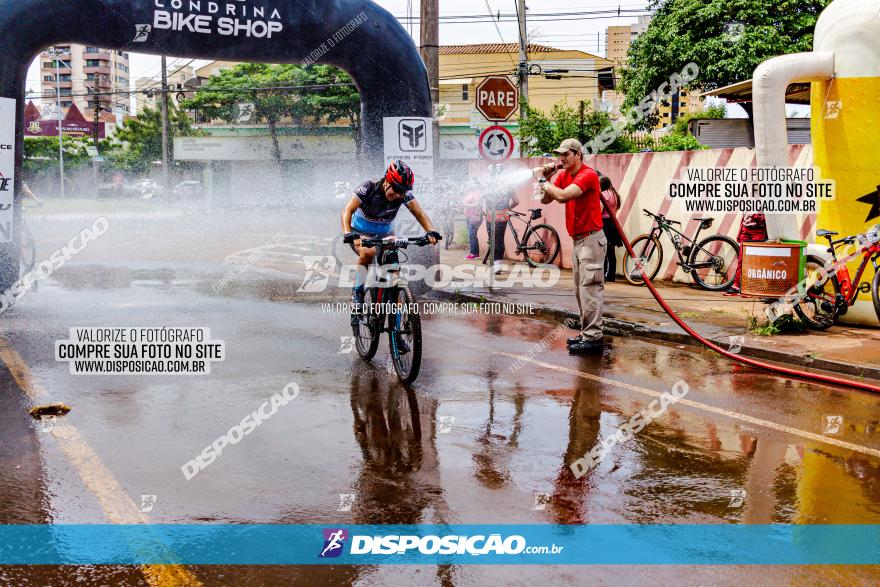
(400, 176)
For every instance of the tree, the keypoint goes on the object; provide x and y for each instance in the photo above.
(308, 95)
(727, 39)
(138, 143)
(542, 133)
(41, 154)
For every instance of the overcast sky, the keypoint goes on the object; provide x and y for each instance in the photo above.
(585, 33)
(578, 33)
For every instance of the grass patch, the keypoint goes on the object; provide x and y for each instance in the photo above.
(785, 324)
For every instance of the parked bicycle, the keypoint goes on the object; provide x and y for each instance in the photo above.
(711, 262)
(540, 243)
(830, 290)
(391, 307)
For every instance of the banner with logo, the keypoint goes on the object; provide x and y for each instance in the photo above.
(479, 544)
(7, 166)
(411, 140)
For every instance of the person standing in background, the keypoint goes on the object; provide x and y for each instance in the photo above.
(577, 187)
(473, 213)
(609, 227)
(499, 200)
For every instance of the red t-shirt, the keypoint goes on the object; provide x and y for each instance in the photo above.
(582, 214)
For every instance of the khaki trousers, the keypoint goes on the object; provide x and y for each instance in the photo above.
(588, 259)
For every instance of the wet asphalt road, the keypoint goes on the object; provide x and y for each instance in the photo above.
(473, 441)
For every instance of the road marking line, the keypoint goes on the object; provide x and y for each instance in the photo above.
(117, 505)
(701, 406)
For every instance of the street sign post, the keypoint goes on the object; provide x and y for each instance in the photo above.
(496, 144)
(497, 98)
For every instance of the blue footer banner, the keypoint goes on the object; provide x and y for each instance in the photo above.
(209, 544)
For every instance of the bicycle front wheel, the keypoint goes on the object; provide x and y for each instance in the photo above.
(366, 329)
(714, 261)
(405, 336)
(649, 259)
(541, 245)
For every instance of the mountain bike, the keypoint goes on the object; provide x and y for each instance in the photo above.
(830, 291)
(711, 262)
(391, 307)
(540, 243)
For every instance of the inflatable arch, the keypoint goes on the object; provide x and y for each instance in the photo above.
(356, 35)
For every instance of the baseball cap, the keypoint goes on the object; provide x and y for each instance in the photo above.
(569, 145)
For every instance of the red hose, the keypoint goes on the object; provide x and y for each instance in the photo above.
(718, 349)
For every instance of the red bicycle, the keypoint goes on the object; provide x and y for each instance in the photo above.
(830, 289)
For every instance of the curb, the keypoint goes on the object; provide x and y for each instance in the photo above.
(617, 327)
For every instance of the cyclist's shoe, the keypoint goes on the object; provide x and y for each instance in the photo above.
(402, 347)
(575, 340)
(357, 300)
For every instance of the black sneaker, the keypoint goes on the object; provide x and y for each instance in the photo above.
(587, 346)
(357, 300)
(402, 347)
(575, 340)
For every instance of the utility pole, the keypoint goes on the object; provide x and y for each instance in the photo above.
(97, 104)
(165, 186)
(57, 55)
(523, 72)
(430, 44)
(581, 126)
(429, 49)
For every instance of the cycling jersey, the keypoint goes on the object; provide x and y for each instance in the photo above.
(375, 206)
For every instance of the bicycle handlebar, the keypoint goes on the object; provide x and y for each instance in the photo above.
(660, 217)
(397, 243)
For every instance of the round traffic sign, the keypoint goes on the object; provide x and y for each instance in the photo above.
(496, 144)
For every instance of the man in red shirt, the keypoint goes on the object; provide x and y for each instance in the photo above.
(577, 186)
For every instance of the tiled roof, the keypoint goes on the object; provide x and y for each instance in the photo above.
(492, 48)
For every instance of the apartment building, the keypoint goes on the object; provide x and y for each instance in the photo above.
(619, 38)
(84, 70)
(178, 76)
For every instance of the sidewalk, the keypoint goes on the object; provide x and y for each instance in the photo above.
(631, 310)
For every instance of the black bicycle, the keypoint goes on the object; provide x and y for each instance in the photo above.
(712, 262)
(391, 307)
(540, 243)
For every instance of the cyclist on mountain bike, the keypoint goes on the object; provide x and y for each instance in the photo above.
(371, 212)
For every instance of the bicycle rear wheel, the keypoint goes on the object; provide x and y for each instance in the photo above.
(366, 330)
(650, 259)
(541, 245)
(715, 261)
(818, 308)
(405, 336)
(875, 293)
